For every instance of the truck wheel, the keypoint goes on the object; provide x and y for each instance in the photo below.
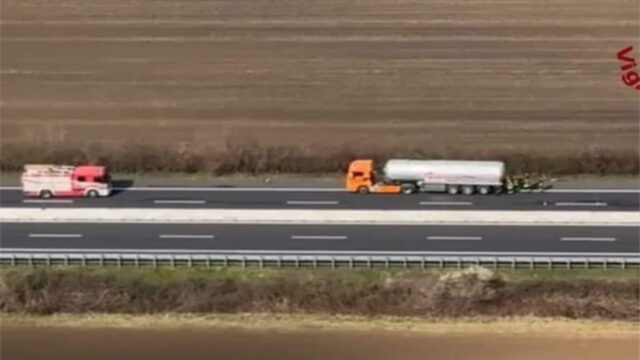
(452, 189)
(45, 194)
(468, 190)
(92, 194)
(484, 190)
(363, 190)
(408, 189)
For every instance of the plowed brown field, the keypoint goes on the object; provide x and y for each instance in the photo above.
(447, 76)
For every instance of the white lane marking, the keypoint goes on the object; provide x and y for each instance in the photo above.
(55, 235)
(597, 203)
(186, 236)
(446, 203)
(55, 201)
(454, 238)
(304, 202)
(179, 201)
(588, 239)
(318, 237)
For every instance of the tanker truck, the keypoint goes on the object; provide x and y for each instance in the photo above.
(412, 176)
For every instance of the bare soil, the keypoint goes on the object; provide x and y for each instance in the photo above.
(26, 342)
(320, 81)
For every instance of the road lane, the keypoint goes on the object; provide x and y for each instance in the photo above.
(322, 237)
(265, 199)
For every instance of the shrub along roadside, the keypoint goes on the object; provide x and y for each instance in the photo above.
(472, 292)
(257, 159)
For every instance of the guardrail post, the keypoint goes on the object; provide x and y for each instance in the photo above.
(84, 260)
(586, 264)
(13, 260)
(154, 261)
(66, 260)
(495, 263)
(315, 262)
(208, 261)
(624, 263)
(531, 263)
(261, 260)
(173, 264)
(101, 259)
(405, 262)
(279, 261)
(189, 261)
(351, 262)
(333, 262)
(568, 264)
(386, 262)
(459, 263)
(422, 261)
(297, 261)
(119, 260)
(605, 264)
(226, 261)
(441, 263)
(549, 264)
(48, 260)
(369, 262)
(31, 260)
(513, 264)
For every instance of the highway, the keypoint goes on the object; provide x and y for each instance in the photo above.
(322, 237)
(331, 198)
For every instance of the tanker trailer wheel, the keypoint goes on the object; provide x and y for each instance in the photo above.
(45, 194)
(363, 190)
(468, 189)
(92, 194)
(452, 189)
(484, 190)
(408, 189)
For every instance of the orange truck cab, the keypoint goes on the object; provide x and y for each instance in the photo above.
(361, 179)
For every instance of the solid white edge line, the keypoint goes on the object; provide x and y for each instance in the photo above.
(335, 223)
(587, 239)
(52, 201)
(55, 235)
(319, 237)
(612, 191)
(454, 238)
(316, 252)
(185, 236)
(304, 202)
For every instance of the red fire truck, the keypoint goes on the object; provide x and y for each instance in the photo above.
(47, 181)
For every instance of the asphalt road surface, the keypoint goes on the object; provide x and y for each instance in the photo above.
(322, 237)
(256, 198)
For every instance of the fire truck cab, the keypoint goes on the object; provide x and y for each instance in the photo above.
(48, 181)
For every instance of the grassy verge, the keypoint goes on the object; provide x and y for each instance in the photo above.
(261, 159)
(529, 326)
(451, 294)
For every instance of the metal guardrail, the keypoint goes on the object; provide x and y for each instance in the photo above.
(310, 259)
